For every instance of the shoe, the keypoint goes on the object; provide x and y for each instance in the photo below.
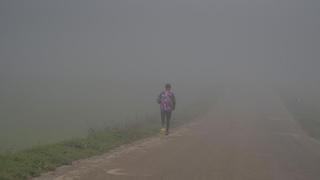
(162, 130)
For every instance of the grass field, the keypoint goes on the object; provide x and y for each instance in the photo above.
(36, 160)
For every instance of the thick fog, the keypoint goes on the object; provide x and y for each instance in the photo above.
(66, 66)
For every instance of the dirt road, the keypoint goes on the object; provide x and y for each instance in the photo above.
(246, 136)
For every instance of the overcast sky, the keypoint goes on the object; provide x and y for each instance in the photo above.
(169, 38)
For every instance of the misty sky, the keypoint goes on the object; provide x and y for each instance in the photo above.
(103, 40)
(119, 52)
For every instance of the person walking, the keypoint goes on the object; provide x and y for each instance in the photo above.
(167, 102)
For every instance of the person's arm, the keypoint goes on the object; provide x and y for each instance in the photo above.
(174, 101)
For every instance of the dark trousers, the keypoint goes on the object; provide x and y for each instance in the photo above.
(165, 119)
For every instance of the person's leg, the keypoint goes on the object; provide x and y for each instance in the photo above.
(168, 118)
(163, 116)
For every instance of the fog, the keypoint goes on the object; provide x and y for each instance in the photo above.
(66, 66)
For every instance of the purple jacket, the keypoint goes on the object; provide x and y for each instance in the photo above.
(167, 101)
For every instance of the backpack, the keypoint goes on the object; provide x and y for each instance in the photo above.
(166, 101)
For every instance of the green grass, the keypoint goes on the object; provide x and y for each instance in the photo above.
(34, 161)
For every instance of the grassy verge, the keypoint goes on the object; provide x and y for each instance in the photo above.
(32, 162)
(307, 114)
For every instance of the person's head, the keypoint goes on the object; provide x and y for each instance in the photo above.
(168, 87)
